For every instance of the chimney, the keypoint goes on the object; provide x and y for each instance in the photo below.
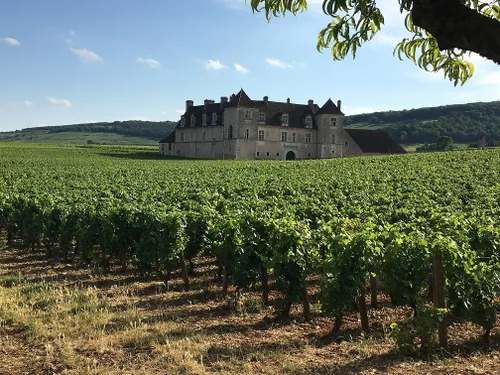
(310, 102)
(205, 103)
(223, 101)
(266, 99)
(339, 103)
(288, 100)
(189, 104)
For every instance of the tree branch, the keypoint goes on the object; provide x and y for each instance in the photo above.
(454, 25)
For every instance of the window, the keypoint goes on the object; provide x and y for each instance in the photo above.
(248, 114)
(268, 154)
(284, 119)
(333, 121)
(309, 122)
(309, 154)
(170, 147)
(204, 119)
(163, 147)
(284, 136)
(262, 117)
(333, 138)
(214, 118)
(247, 133)
(277, 154)
(258, 153)
(181, 137)
(294, 137)
(346, 143)
(230, 132)
(183, 122)
(193, 120)
(203, 137)
(191, 137)
(178, 151)
(341, 121)
(261, 135)
(308, 138)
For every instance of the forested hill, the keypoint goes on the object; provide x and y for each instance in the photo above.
(154, 130)
(465, 123)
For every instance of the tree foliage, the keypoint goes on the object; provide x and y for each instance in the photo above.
(465, 123)
(444, 32)
(155, 130)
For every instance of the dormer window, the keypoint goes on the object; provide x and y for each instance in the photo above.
(284, 119)
(193, 120)
(204, 119)
(309, 122)
(262, 118)
(183, 121)
(333, 121)
(214, 118)
(248, 114)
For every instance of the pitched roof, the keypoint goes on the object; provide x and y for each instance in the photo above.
(241, 100)
(329, 108)
(297, 113)
(169, 138)
(376, 141)
(199, 110)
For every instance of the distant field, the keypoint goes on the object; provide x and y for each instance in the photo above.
(74, 138)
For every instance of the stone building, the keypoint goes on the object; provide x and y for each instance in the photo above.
(241, 128)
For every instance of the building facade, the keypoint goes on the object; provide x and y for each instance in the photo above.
(241, 128)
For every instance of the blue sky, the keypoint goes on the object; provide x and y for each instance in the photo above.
(69, 61)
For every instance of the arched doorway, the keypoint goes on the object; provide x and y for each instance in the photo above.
(290, 155)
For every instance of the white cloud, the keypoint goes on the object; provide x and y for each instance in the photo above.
(214, 65)
(69, 42)
(277, 63)
(180, 111)
(28, 103)
(10, 42)
(150, 62)
(72, 32)
(86, 56)
(240, 68)
(59, 102)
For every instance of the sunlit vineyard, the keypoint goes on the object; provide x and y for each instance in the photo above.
(351, 225)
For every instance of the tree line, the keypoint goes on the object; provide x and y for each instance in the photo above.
(155, 130)
(465, 123)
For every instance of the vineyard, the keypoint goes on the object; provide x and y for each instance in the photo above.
(423, 230)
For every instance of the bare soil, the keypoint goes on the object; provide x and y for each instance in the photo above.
(66, 320)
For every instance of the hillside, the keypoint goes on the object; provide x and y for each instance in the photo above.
(465, 123)
(118, 132)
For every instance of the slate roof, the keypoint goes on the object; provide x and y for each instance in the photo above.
(297, 113)
(199, 110)
(241, 100)
(169, 138)
(375, 141)
(329, 108)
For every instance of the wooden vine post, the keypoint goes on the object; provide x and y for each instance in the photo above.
(373, 291)
(439, 297)
(362, 309)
